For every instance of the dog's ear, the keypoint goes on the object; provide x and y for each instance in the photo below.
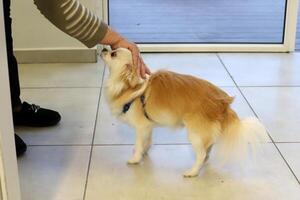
(132, 75)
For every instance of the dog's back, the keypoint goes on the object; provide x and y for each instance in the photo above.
(204, 109)
(179, 95)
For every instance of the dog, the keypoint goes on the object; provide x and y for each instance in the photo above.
(170, 99)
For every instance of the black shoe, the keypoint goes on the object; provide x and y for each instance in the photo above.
(33, 115)
(21, 147)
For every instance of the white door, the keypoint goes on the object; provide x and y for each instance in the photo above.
(9, 179)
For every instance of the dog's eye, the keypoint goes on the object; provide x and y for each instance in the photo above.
(113, 54)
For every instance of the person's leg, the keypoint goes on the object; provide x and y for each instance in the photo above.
(12, 62)
(24, 114)
(20, 145)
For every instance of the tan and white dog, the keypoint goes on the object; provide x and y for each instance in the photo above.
(170, 99)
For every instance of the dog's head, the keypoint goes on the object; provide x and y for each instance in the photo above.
(121, 68)
(117, 59)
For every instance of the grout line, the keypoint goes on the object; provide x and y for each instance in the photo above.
(161, 144)
(111, 145)
(165, 144)
(59, 145)
(128, 144)
(87, 87)
(226, 86)
(94, 132)
(258, 118)
(296, 142)
(262, 86)
(96, 87)
(61, 87)
(99, 87)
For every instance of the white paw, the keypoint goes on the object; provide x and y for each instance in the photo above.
(133, 161)
(190, 173)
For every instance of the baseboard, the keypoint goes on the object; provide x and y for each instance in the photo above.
(56, 55)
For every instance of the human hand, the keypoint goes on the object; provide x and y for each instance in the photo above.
(137, 59)
(116, 41)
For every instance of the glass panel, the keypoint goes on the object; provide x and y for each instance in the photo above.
(199, 21)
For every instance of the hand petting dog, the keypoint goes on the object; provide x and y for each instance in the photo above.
(116, 41)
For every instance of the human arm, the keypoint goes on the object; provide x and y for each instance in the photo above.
(74, 19)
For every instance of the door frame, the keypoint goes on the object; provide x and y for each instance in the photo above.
(287, 46)
(9, 178)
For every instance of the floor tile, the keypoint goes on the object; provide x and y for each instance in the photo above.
(261, 69)
(78, 108)
(109, 130)
(290, 152)
(159, 177)
(61, 75)
(53, 173)
(206, 66)
(279, 110)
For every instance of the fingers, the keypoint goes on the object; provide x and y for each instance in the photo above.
(136, 58)
(137, 61)
(143, 68)
(148, 71)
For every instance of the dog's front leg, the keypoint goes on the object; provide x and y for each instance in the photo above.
(142, 144)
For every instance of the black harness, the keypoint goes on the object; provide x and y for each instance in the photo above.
(126, 107)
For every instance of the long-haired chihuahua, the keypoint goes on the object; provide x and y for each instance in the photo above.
(170, 99)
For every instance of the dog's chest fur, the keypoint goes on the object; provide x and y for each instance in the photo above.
(118, 95)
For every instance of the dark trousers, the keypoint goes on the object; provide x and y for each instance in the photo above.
(12, 62)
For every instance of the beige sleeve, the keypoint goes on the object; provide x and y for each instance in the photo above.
(73, 18)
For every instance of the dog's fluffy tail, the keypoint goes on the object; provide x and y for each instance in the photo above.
(238, 137)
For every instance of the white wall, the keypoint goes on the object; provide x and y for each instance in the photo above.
(33, 34)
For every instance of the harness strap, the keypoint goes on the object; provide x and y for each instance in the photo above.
(144, 104)
(126, 107)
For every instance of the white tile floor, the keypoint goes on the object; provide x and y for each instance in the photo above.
(84, 157)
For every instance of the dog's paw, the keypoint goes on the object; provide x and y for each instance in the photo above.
(190, 173)
(133, 161)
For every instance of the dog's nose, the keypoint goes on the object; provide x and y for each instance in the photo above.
(104, 50)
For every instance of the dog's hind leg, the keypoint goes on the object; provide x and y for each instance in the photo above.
(201, 138)
(142, 144)
(199, 149)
